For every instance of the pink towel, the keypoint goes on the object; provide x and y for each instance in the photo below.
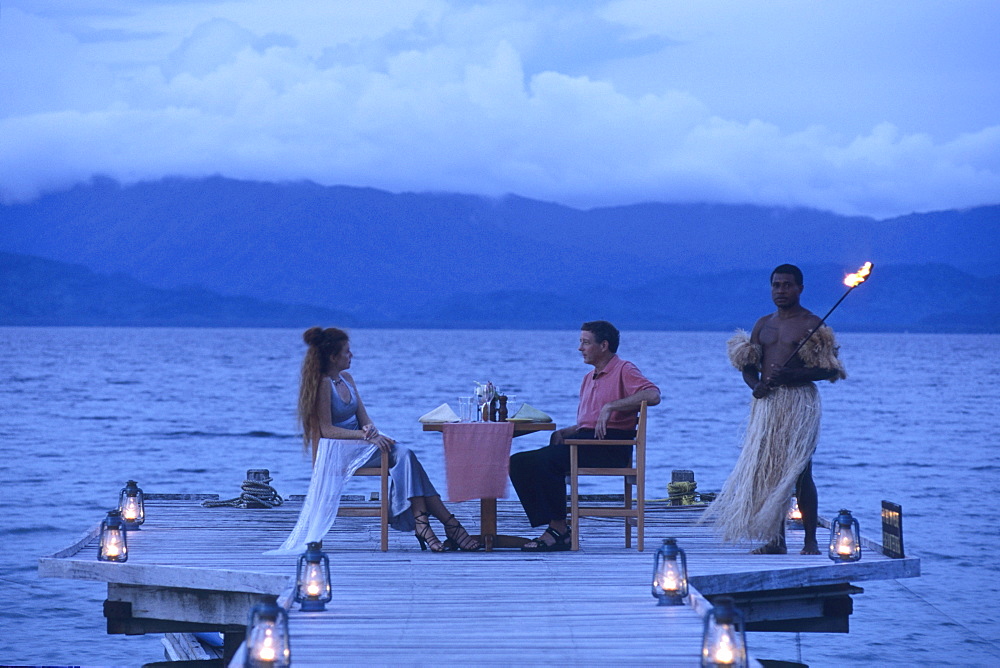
(476, 456)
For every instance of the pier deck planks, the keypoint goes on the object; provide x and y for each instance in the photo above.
(411, 607)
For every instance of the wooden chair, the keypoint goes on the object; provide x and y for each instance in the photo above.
(382, 511)
(633, 475)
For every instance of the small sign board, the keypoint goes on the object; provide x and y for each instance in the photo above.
(892, 530)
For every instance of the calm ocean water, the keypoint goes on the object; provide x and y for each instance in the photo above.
(190, 410)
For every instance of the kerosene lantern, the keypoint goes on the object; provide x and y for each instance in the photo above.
(670, 579)
(845, 538)
(794, 517)
(112, 545)
(131, 506)
(267, 643)
(312, 579)
(724, 641)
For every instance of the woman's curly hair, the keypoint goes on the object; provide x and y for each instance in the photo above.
(323, 344)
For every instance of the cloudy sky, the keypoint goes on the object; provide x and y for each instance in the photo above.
(856, 106)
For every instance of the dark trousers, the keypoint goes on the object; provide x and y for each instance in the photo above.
(539, 476)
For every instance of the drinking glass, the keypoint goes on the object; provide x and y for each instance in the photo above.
(513, 405)
(465, 409)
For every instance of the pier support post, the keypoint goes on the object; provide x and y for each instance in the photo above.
(681, 485)
(231, 641)
(258, 475)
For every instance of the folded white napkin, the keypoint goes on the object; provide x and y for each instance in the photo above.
(442, 413)
(529, 412)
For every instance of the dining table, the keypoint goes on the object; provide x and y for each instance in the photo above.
(466, 445)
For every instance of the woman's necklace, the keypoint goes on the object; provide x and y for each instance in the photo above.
(337, 382)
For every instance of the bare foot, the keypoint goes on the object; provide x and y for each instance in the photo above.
(810, 548)
(773, 547)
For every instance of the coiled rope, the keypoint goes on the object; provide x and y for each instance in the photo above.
(256, 494)
(683, 491)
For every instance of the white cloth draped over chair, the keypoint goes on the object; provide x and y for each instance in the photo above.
(336, 462)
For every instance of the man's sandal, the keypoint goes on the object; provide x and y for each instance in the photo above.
(562, 542)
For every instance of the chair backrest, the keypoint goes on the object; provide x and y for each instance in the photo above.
(638, 451)
(640, 430)
(640, 445)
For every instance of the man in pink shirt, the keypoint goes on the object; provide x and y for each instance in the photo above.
(610, 396)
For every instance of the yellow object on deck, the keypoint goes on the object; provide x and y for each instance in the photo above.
(685, 491)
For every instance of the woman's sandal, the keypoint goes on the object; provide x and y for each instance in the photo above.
(458, 537)
(562, 542)
(425, 535)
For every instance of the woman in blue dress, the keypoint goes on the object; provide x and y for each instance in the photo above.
(330, 407)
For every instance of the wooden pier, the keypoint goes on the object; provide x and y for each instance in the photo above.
(192, 568)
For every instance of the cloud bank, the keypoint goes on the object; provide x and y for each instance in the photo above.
(545, 100)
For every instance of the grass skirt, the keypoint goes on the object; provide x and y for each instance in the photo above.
(780, 439)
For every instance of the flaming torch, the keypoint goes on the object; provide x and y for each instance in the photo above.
(851, 281)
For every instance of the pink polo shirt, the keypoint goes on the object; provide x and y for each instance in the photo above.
(619, 379)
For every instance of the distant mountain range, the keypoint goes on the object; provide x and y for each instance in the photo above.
(265, 254)
(36, 291)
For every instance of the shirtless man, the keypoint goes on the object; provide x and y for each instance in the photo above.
(784, 423)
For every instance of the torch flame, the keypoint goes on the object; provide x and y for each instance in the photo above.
(858, 277)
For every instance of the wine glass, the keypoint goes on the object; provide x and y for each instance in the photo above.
(480, 400)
